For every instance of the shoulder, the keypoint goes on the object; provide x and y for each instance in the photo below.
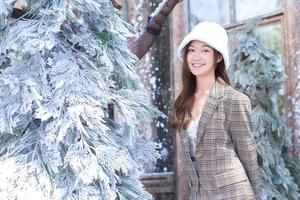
(236, 100)
(233, 95)
(238, 104)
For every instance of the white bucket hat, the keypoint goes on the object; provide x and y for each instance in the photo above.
(212, 34)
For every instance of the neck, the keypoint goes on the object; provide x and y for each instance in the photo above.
(205, 83)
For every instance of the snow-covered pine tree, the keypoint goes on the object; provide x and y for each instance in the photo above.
(61, 65)
(256, 71)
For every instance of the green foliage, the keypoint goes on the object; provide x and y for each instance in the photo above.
(256, 72)
(294, 167)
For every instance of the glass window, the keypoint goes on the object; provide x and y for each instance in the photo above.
(246, 9)
(270, 37)
(208, 10)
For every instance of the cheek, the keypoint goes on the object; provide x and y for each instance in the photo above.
(188, 58)
(210, 56)
(210, 59)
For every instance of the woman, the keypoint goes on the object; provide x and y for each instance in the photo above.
(214, 121)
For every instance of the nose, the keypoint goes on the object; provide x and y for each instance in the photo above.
(197, 56)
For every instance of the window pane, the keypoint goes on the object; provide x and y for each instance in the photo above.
(246, 9)
(208, 10)
(270, 37)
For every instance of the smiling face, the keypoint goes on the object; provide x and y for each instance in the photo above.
(201, 59)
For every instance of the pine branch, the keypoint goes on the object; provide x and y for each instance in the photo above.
(74, 61)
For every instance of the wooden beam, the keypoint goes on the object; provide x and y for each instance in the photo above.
(270, 18)
(143, 44)
(158, 183)
(232, 11)
(292, 65)
(179, 28)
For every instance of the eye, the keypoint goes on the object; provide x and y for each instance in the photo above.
(191, 50)
(205, 50)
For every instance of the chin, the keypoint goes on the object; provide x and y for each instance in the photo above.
(199, 73)
(203, 73)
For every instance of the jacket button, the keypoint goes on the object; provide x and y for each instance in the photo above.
(193, 158)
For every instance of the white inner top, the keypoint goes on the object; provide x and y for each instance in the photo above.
(192, 130)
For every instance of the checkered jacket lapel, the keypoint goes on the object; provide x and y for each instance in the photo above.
(209, 108)
(191, 172)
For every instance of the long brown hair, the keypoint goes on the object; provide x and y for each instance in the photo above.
(184, 102)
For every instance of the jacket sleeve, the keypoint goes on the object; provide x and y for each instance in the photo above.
(240, 129)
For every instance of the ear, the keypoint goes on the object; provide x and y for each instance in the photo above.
(219, 57)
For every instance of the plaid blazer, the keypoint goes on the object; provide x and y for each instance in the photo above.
(225, 165)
